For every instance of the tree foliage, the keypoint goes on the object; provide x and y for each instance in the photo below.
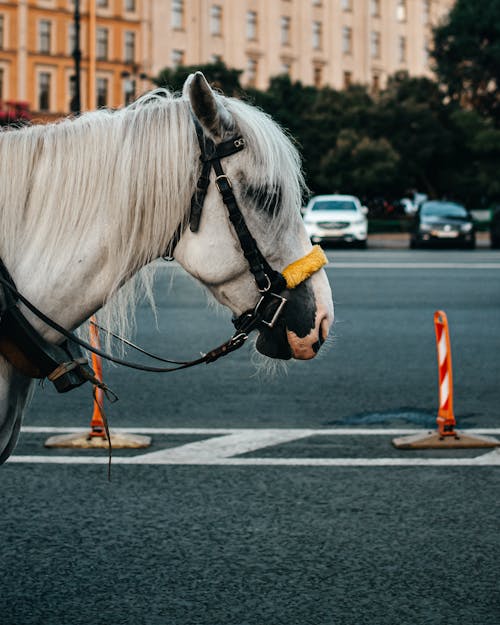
(407, 138)
(218, 74)
(467, 55)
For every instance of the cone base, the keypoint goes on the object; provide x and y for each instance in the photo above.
(433, 440)
(83, 440)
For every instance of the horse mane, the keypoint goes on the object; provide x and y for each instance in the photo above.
(122, 180)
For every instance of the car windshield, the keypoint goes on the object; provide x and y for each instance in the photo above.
(334, 205)
(443, 209)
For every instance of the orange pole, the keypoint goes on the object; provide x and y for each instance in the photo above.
(446, 419)
(97, 423)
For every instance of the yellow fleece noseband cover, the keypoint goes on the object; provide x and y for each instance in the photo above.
(298, 271)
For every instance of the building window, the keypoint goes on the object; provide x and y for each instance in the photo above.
(177, 14)
(318, 76)
(347, 80)
(128, 91)
(375, 83)
(2, 32)
(102, 4)
(375, 8)
(375, 44)
(426, 17)
(177, 58)
(2, 81)
(317, 35)
(71, 38)
(130, 6)
(129, 47)
(102, 92)
(216, 20)
(252, 72)
(102, 44)
(44, 28)
(43, 91)
(346, 40)
(346, 5)
(286, 68)
(215, 58)
(401, 11)
(402, 49)
(251, 25)
(285, 30)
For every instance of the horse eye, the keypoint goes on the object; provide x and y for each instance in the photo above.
(264, 198)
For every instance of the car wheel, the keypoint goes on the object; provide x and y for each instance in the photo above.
(413, 244)
(362, 245)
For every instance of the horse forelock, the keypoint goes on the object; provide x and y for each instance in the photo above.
(124, 179)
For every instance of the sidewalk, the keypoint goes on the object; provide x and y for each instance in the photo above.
(400, 240)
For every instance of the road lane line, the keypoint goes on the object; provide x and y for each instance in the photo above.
(35, 429)
(410, 265)
(223, 447)
(487, 460)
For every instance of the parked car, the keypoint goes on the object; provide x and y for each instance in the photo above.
(336, 219)
(444, 223)
(495, 229)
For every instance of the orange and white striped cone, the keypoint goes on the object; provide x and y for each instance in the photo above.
(97, 436)
(446, 419)
(445, 437)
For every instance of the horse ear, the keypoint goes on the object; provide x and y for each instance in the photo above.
(211, 114)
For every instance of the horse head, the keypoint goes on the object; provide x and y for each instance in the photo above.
(266, 181)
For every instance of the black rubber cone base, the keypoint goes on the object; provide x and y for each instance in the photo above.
(433, 440)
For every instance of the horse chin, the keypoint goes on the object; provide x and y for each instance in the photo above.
(274, 343)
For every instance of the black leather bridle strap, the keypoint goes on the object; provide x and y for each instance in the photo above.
(266, 278)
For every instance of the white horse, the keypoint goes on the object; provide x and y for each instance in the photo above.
(86, 203)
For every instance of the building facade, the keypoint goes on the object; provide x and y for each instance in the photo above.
(125, 42)
(319, 42)
(37, 41)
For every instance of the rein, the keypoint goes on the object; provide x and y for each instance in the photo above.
(66, 366)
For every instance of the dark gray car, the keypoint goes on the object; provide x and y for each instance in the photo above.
(443, 223)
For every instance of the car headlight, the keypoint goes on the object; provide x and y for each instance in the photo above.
(466, 227)
(425, 227)
(359, 222)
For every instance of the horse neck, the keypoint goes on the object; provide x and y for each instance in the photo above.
(87, 232)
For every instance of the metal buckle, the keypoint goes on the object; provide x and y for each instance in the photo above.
(267, 287)
(239, 143)
(227, 181)
(277, 312)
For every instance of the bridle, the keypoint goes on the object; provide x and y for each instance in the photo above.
(67, 367)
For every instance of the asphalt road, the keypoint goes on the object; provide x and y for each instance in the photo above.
(170, 542)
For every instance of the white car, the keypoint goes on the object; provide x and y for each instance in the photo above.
(336, 218)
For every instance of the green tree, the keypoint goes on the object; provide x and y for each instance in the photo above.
(218, 75)
(467, 55)
(361, 165)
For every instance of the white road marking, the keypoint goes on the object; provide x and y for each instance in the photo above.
(409, 265)
(224, 444)
(374, 264)
(42, 429)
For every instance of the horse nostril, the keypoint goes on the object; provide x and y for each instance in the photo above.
(316, 346)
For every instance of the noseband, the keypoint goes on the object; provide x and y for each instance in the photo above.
(66, 366)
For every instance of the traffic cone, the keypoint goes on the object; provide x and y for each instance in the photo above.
(446, 436)
(97, 436)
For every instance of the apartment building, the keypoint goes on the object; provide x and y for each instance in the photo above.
(320, 42)
(125, 42)
(37, 40)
